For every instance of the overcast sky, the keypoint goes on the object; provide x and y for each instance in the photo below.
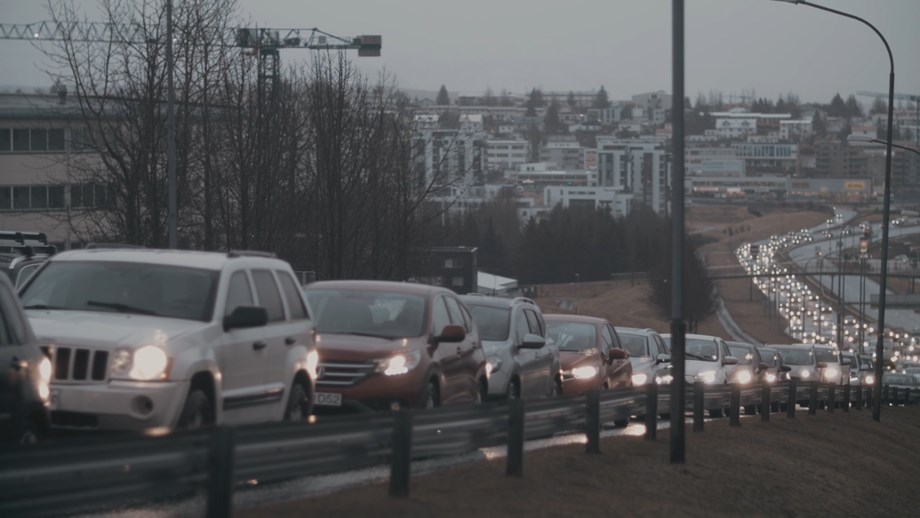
(732, 46)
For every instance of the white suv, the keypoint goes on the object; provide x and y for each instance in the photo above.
(155, 340)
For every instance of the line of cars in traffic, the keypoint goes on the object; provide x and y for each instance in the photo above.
(156, 340)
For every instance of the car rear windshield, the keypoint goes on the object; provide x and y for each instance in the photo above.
(797, 356)
(371, 313)
(121, 287)
(572, 336)
(493, 321)
(637, 345)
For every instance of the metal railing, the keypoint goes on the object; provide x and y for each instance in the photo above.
(89, 473)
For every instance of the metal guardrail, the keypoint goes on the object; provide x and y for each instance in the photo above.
(80, 475)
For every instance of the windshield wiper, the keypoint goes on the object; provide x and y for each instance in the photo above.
(698, 357)
(121, 308)
(42, 306)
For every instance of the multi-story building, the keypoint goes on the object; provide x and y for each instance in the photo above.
(504, 154)
(653, 106)
(767, 157)
(567, 155)
(606, 198)
(640, 167)
(795, 130)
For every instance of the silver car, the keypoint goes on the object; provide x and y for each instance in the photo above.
(648, 355)
(523, 362)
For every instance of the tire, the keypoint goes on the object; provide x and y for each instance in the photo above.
(556, 391)
(717, 412)
(198, 411)
(431, 397)
(482, 392)
(774, 407)
(513, 391)
(298, 405)
(750, 409)
(621, 423)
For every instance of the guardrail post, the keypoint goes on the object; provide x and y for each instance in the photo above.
(906, 397)
(698, 404)
(813, 398)
(792, 398)
(859, 398)
(846, 397)
(832, 398)
(765, 403)
(401, 463)
(886, 398)
(593, 421)
(651, 411)
(220, 472)
(734, 405)
(515, 461)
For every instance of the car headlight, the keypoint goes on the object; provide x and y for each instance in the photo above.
(399, 364)
(44, 378)
(664, 380)
(146, 363)
(639, 379)
(870, 379)
(583, 373)
(494, 364)
(831, 374)
(706, 376)
(744, 377)
(312, 363)
(771, 377)
(804, 374)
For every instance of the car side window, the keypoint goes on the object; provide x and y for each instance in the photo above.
(292, 295)
(657, 343)
(456, 314)
(724, 347)
(606, 338)
(6, 318)
(269, 297)
(439, 316)
(238, 292)
(533, 323)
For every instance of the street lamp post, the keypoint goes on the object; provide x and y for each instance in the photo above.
(886, 209)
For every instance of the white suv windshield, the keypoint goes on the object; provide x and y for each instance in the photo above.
(145, 289)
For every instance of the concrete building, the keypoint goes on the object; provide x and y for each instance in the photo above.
(566, 155)
(640, 167)
(653, 106)
(763, 156)
(606, 198)
(503, 154)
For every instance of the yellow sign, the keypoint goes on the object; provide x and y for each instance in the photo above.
(855, 186)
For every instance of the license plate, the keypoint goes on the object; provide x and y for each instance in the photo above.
(55, 399)
(328, 399)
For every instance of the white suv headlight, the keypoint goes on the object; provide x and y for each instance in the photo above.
(706, 376)
(146, 363)
(44, 378)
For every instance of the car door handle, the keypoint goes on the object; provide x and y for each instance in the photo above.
(290, 340)
(258, 346)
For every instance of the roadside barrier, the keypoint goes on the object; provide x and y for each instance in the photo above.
(92, 474)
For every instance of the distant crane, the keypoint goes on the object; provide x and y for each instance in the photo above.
(267, 42)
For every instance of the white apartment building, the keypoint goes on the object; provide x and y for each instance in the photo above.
(767, 157)
(566, 155)
(795, 130)
(735, 128)
(504, 154)
(641, 167)
(608, 198)
(444, 155)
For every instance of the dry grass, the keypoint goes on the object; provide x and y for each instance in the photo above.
(840, 464)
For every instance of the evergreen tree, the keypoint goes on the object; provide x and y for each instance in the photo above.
(443, 97)
(600, 100)
(551, 121)
(571, 100)
(879, 106)
(534, 101)
(837, 108)
(854, 110)
(818, 126)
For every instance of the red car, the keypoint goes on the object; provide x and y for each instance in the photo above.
(590, 353)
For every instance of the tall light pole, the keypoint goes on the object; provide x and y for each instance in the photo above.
(886, 211)
(172, 213)
(678, 326)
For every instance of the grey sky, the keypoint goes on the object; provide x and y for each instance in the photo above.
(731, 45)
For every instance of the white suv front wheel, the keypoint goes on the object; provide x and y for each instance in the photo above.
(198, 411)
(298, 407)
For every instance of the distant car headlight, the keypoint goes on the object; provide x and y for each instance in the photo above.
(640, 379)
(44, 378)
(831, 374)
(664, 380)
(804, 374)
(705, 376)
(744, 377)
(870, 379)
(771, 377)
(583, 373)
(399, 364)
(146, 363)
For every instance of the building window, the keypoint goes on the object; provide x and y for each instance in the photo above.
(20, 139)
(6, 136)
(457, 281)
(6, 198)
(39, 140)
(21, 197)
(56, 139)
(39, 197)
(55, 196)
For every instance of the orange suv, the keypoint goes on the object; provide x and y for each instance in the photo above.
(390, 345)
